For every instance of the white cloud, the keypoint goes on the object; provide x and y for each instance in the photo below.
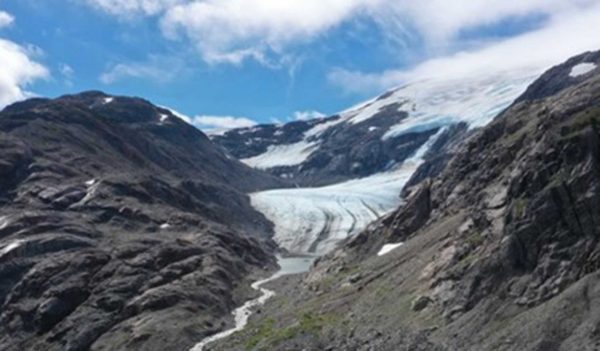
(562, 37)
(306, 115)
(220, 123)
(67, 70)
(233, 31)
(127, 8)
(68, 74)
(441, 20)
(6, 19)
(156, 68)
(18, 71)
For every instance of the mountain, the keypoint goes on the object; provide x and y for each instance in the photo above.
(497, 251)
(349, 169)
(377, 135)
(121, 227)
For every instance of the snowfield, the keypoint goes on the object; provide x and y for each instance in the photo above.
(436, 103)
(282, 155)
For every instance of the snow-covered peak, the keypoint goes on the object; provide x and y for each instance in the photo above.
(439, 102)
(582, 69)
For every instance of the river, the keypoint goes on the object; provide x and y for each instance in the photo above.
(288, 265)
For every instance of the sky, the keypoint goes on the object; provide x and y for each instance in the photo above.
(235, 63)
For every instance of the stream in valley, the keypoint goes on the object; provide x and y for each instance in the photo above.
(289, 265)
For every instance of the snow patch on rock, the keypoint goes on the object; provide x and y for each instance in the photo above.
(387, 248)
(92, 187)
(3, 222)
(6, 249)
(178, 114)
(282, 155)
(582, 69)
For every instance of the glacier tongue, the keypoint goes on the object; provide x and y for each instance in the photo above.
(314, 220)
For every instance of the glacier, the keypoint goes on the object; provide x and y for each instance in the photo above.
(315, 220)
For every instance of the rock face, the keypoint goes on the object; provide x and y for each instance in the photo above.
(343, 152)
(121, 227)
(500, 244)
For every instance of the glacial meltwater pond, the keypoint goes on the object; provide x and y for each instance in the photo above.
(289, 265)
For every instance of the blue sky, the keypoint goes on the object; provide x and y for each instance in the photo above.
(268, 60)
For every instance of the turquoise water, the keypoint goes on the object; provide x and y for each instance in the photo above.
(293, 265)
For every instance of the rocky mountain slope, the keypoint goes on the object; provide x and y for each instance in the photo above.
(121, 227)
(497, 252)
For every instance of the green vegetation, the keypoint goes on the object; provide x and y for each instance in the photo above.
(467, 260)
(590, 116)
(475, 239)
(308, 323)
(581, 120)
(262, 332)
(520, 207)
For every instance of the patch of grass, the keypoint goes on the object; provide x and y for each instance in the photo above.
(269, 335)
(467, 260)
(558, 179)
(264, 330)
(405, 303)
(581, 120)
(475, 239)
(328, 283)
(587, 117)
(383, 290)
(520, 207)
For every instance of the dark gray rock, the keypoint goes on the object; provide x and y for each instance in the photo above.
(121, 227)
